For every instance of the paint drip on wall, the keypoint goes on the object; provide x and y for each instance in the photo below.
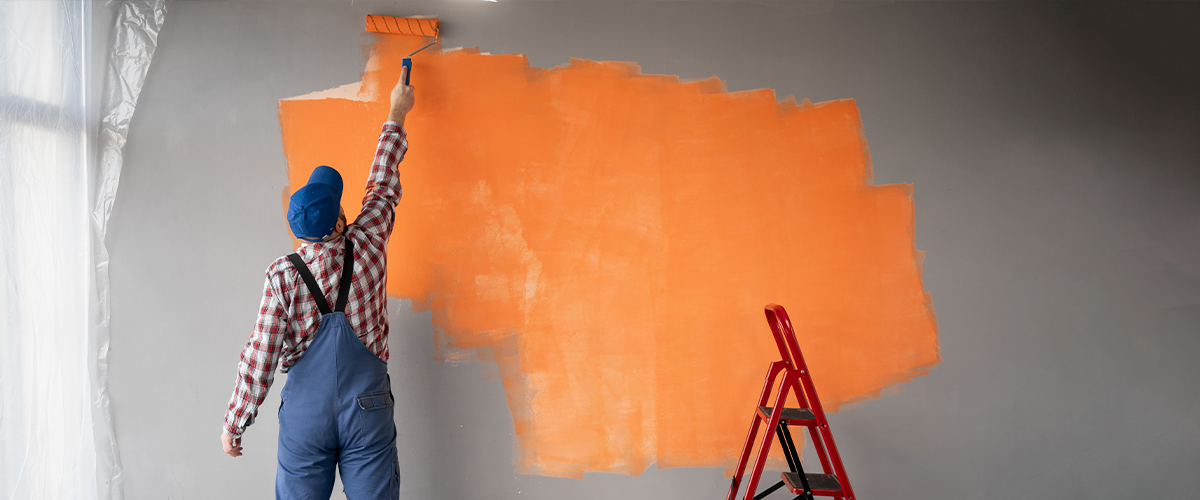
(609, 239)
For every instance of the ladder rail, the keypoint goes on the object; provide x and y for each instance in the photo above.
(784, 323)
(772, 372)
(789, 349)
(763, 449)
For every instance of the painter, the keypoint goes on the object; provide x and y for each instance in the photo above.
(337, 404)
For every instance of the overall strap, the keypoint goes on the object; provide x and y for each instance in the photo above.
(311, 283)
(347, 277)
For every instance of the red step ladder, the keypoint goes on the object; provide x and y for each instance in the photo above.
(796, 378)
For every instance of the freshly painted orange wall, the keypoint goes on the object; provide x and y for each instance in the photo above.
(609, 239)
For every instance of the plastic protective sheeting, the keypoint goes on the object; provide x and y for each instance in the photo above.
(46, 410)
(56, 438)
(134, 39)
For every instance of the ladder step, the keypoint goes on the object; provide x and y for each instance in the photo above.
(825, 485)
(798, 416)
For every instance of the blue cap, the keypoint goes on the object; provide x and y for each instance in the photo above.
(313, 210)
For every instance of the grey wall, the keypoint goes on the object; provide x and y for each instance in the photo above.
(1055, 152)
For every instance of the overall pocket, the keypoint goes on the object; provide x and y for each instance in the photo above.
(376, 400)
(375, 413)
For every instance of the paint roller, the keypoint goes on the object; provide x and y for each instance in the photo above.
(413, 26)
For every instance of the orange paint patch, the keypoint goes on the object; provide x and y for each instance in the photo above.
(609, 239)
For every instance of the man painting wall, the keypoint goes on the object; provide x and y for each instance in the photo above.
(337, 403)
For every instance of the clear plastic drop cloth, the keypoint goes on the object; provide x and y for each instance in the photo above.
(56, 190)
(134, 39)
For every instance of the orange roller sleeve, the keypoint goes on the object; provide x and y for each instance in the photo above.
(402, 25)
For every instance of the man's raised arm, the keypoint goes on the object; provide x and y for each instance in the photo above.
(383, 183)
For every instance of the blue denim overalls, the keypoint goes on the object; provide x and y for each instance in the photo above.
(336, 409)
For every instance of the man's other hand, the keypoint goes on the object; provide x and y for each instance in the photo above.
(233, 447)
(402, 99)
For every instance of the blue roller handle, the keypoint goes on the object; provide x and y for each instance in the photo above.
(407, 63)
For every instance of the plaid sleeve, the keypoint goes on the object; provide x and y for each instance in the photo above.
(256, 371)
(383, 183)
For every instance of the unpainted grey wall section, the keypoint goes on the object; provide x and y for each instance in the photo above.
(1055, 153)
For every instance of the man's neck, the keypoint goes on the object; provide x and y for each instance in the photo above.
(327, 239)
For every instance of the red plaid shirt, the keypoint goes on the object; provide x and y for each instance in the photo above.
(288, 317)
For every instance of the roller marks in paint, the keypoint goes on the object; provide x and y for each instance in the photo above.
(609, 238)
